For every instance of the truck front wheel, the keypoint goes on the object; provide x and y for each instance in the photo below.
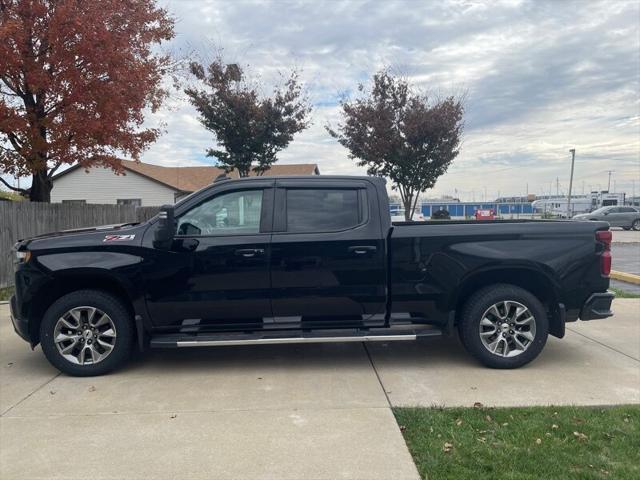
(503, 326)
(87, 333)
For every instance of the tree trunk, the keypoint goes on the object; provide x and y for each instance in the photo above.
(408, 208)
(41, 186)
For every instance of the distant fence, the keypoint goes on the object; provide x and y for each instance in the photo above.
(24, 219)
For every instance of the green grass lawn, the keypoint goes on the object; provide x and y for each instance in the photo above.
(5, 293)
(622, 294)
(523, 443)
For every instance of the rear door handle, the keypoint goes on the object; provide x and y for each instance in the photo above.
(362, 249)
(249, 252)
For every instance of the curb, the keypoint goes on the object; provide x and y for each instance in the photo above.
(625, 277)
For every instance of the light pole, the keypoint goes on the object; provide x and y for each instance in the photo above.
(573, 159)
(609, 183)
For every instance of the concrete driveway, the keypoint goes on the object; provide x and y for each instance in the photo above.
(280, 412)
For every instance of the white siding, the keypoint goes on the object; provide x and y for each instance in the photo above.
(101, 185)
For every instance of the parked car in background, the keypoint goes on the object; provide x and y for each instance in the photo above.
(398, 216)
(617, 216)
(441, 214)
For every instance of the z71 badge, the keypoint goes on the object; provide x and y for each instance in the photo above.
(118, 238)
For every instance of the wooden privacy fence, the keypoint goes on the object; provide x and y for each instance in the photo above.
(24, 219)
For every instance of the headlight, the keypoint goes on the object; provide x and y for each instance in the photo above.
(23, 256)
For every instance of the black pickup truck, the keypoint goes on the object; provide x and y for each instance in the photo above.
(267, 260)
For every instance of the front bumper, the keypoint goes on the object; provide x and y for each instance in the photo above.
(21, 326)
(598, 305)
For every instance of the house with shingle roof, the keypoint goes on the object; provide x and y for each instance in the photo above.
(144, 184)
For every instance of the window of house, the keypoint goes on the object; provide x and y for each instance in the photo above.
(324, 210)
(231, 213)
(136, 202)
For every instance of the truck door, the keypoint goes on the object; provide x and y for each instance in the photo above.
(328, 254)
(216, 275)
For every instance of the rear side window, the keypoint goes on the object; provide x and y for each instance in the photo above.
(324, 210)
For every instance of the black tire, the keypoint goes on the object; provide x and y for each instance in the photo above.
(636, 225)
(626, 228)
(475, 308)
(110, 305)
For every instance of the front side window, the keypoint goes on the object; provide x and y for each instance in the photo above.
(232, 213)
(323, 210)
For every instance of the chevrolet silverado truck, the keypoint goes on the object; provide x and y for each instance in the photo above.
(267, 260)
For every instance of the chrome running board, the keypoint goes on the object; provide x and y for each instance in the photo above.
(185, 340)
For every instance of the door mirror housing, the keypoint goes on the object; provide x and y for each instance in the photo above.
(163, 236)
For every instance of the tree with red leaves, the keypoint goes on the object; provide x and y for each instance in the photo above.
(399, 133)
(75, 79)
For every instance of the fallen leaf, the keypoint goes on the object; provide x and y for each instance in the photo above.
(488, 418)
(477, 405)
(259, 378)
(439, 436)
(52, 392)
(458, 422)
(538, 441)
(9, 364)
(92, 388)
(173, 416)
(474, 388)
(505, 424)
(580, 436)
(482, 439)
(547, 434)
(402, 428)
(626, 420)
(430, 429)
(554, 426)
(447, 447)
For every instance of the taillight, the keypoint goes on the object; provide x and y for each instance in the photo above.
(604, 237)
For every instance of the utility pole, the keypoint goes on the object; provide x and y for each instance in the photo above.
(609, 184)
(557, 186)
(573, 159)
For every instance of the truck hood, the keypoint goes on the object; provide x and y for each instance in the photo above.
(72, 231)
(121, 234)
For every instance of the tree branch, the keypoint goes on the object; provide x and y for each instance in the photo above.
(15, 189)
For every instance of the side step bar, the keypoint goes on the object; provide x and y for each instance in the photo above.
(272, 338)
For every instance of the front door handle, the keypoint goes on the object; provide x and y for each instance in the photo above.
(362, 249)
(249, 252)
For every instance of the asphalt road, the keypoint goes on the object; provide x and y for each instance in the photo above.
(626, 257)
(281, 411)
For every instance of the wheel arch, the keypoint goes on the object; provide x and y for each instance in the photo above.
(535, 281)
(64, 282)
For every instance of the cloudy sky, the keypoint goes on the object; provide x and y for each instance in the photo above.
(541, 77)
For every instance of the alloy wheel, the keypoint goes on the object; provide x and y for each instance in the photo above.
(85, 335)
(507, 328)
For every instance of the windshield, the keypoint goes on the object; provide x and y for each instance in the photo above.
(601, 210)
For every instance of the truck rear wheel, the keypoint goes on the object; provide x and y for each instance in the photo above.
(87, 333)
(503, 326)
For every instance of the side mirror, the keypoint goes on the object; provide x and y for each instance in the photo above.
(163, 236)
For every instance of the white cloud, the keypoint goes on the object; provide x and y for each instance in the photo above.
(541, 77)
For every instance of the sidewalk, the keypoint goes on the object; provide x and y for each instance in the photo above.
(280, 411)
